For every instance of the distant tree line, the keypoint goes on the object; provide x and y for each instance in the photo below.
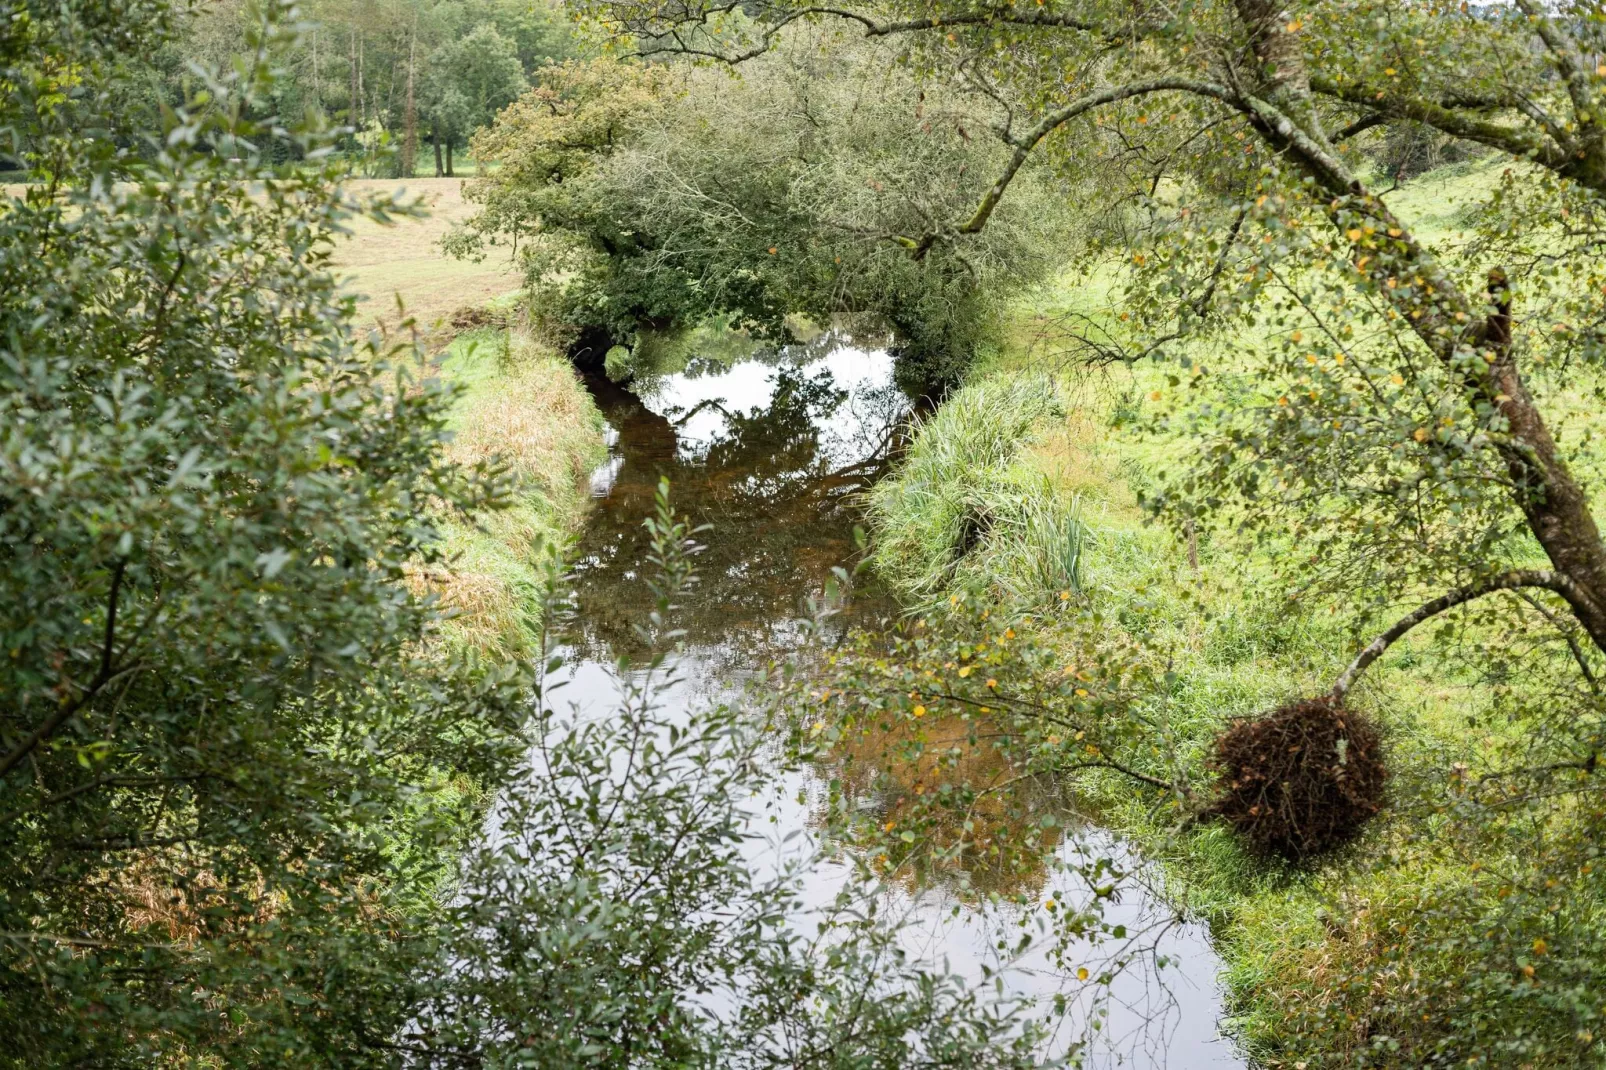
(417, 76)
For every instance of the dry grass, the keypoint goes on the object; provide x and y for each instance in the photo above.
(531, 420)
(380, 262)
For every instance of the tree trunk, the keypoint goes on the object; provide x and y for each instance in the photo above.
(410, 145)
(449, 159)
(435, 139)
(356, 93)
(1456, 329)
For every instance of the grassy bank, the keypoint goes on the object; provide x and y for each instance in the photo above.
(524, 403)
(1452, 933)
(520, 401)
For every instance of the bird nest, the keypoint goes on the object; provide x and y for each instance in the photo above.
(1302, 779)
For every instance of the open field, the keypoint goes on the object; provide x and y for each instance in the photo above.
(382, 262)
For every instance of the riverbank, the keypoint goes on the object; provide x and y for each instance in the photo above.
(523, 404)
(519, 400)
(1450, 931)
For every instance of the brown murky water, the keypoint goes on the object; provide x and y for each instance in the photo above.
(770, 454)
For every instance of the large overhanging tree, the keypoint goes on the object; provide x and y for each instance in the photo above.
(1247, 111)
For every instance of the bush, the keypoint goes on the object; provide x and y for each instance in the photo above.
(648, 198)
(1301, 780)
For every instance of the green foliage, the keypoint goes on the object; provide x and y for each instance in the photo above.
(614, 918)
(242, 758)
(647, 197)
(233, 770)
(354, 62)
(960, 514)
(468, 80)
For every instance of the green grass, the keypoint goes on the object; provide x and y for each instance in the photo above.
(523, 404)
(1410, 946)
(966, 513)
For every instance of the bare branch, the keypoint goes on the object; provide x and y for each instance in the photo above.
(1505, 581)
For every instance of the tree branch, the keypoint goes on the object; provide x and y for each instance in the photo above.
(68, 705)
(1514, 141)
(1366, 122)
(1505, 581)
(1025, 144)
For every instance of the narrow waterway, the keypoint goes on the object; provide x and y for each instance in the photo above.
(770, 454)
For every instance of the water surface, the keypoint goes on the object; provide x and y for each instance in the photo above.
(770, 454)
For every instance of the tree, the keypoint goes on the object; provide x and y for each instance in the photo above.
(233, 766)
(469, 80)
(1292, 84)
(647, 199)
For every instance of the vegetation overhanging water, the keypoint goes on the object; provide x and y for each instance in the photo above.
(771, 457)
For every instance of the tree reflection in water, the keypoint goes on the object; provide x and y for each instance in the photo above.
(769, 456)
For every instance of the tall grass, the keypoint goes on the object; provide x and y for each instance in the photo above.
(963, 512)
(522, 403)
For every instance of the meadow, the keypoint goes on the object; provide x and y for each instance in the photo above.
(383, 261)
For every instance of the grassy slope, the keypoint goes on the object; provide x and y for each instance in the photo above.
(524, 403)
(1305, 951)
(520, 401)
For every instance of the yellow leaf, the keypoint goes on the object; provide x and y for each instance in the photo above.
(1081, 973)
(1353, 234)
(919, 711)
(965, 671)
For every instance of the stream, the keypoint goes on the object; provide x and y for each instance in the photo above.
(770, 453)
